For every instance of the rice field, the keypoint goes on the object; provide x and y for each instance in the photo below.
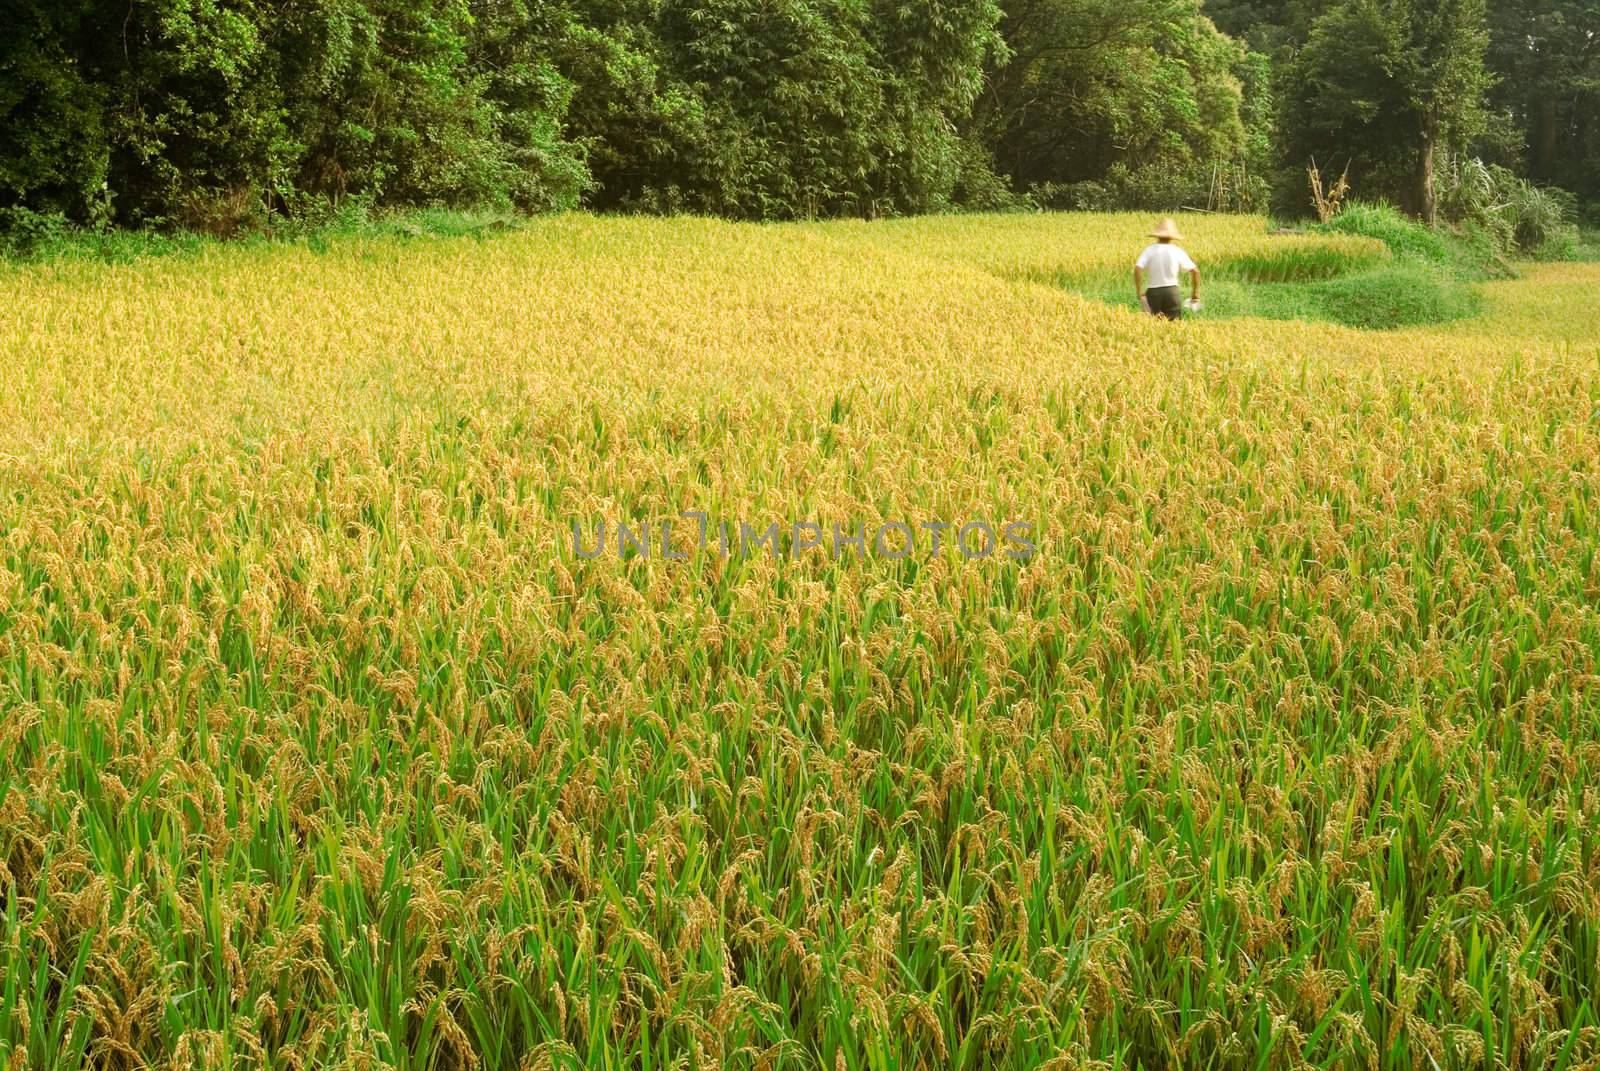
(329, 736)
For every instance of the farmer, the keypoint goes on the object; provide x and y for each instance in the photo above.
(1156, 272)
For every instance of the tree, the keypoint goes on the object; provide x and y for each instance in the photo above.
(1442, 69)
(1089, 85)
(1267, 26)
(1546, 54)
(1385, 84)
(52, 137)
(213, 113)
(767, 109)
(512, 57)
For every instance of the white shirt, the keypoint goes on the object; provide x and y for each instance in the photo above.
(1163, 263)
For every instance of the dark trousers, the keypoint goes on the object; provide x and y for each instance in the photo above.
(1165, 301)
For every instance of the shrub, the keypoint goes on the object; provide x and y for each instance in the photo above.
(1468, 252)
(1403, 235)
(978, 188)
(1468, 190)
(1516, 215)
(23, 231)
(1541, 216)
(1157, 188)
(1086, 196)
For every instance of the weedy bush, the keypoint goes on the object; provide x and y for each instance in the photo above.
(1516, 215)
(1468, 253)
(1587, 246)
(318, 747)
(1405, 237)
(22, 231)
(1542, 221)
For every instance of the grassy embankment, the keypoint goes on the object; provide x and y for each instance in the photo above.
(1408, 276)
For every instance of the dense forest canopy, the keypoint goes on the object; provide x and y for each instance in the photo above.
(219, 114)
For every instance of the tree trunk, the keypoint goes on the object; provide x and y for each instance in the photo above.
(1544, 157)
(1423, 193)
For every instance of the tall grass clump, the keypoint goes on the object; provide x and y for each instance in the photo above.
(1519, 217)
(1465, 255)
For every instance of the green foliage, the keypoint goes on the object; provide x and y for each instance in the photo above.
(1147, 86)
(1404, 236)
(752, 109)
(229, 116)
(215, 115)
(1541, 218)
(1549, 88)
(22, 230)
(1159, 188)
(1541, 106)
(1268, 26)
(1387, 85)
(52, 139)
(509, 43)
(1585, 246)
(979, 189)
(1466, 254)
(28, 237)
(1398, 295)
(1516, 215)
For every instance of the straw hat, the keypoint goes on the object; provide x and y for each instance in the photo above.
(1167, 228)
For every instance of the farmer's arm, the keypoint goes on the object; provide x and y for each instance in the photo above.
(1196, 274)
(1138, 281)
